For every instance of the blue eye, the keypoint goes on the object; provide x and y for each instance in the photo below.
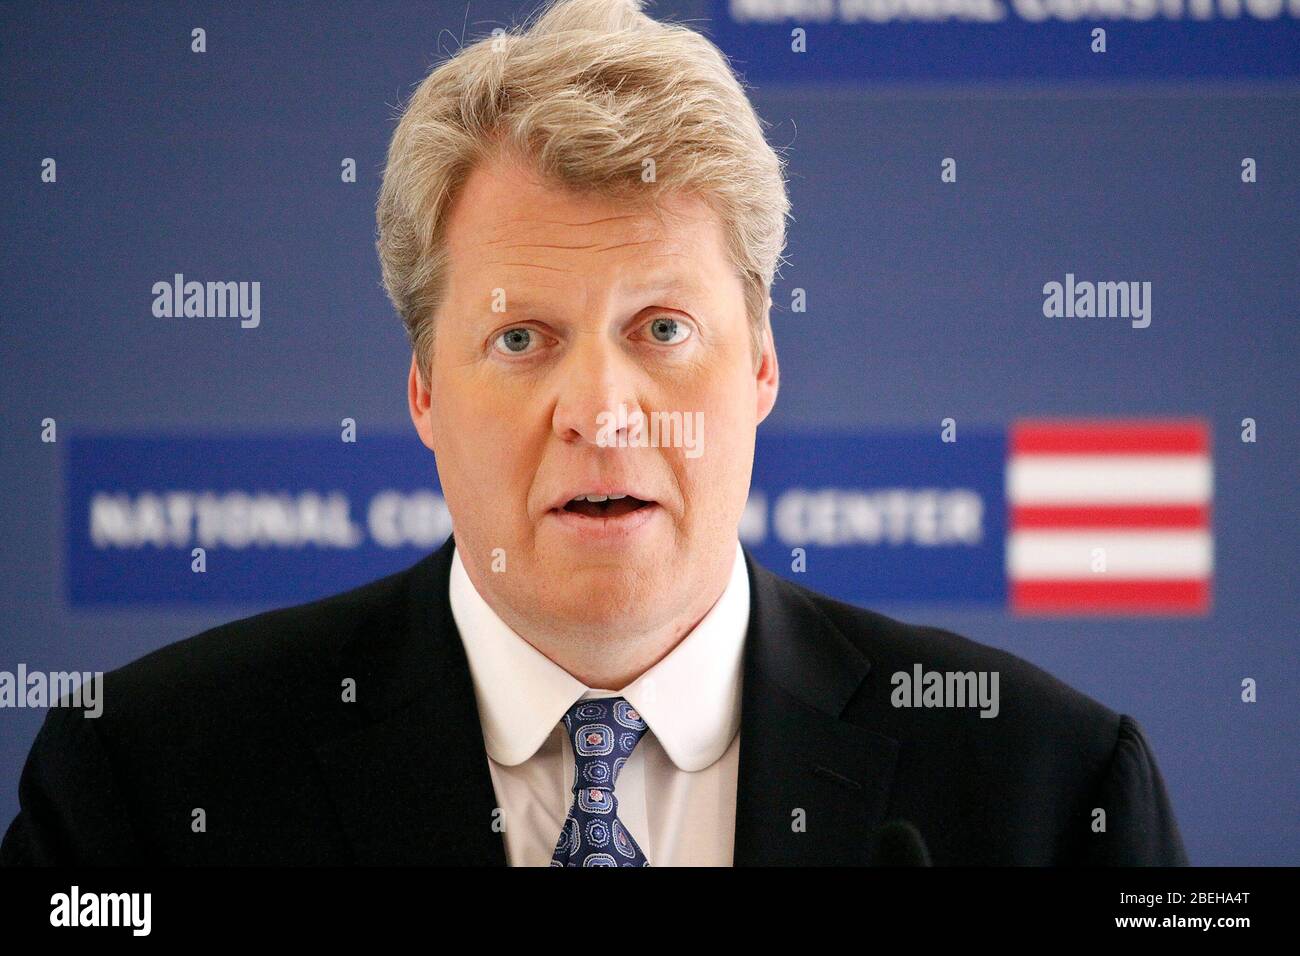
(665, 328)
(516, 340)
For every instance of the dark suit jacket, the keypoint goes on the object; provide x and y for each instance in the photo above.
(247, 723)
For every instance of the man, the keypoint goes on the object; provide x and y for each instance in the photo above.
(579, 225)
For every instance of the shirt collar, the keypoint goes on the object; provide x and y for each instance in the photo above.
(690, 699)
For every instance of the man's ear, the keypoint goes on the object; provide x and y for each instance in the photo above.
(420, 402)
(768, 372)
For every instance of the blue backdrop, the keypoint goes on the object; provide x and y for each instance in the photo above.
(924, 302)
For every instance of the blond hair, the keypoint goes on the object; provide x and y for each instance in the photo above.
(587, 93)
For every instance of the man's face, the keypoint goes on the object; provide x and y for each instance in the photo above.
(597, 305)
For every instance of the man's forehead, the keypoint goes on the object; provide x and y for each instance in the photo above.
(511, 209)
(536, 242)
(670, 262)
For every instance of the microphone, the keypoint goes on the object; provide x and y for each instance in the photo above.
(899, 843)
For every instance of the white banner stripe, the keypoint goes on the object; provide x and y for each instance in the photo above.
(1109, 479)
(1146, 554)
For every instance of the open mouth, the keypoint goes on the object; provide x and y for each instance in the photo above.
(609, 508)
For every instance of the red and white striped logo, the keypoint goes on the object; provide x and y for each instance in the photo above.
(1110, 517)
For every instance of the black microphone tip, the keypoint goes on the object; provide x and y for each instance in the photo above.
(899, 843)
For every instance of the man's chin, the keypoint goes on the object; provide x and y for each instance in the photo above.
(599, 593)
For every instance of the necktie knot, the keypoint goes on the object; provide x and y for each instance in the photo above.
(604, 733)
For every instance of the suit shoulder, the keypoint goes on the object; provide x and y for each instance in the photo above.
(1031, 697)
(218, 669)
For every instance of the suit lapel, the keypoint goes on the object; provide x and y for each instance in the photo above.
(812, 787)
(409, 776)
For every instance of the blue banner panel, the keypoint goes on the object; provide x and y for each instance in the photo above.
(283, 519)
(856, 41)
(896, 515)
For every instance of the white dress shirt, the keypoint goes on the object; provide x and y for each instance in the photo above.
(676, 793)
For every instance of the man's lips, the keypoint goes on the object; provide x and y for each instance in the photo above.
(611, 508)
(590, 526)
(615, 520)
(619, 493)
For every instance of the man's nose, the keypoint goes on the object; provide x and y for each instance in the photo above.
(594, 380)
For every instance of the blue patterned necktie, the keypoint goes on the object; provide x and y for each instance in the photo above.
(603, 733)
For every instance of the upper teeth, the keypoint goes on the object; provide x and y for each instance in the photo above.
(599, 497)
